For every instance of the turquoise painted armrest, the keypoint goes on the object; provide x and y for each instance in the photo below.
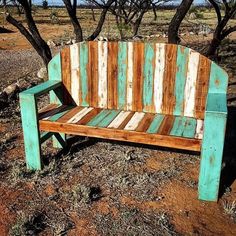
(216, 103)
(42, 88)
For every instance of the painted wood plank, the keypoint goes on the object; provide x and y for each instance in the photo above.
(66, 75)
(211, 156)
(93, 73)
(74, 58)
(102, 74)
(199, 129)
(84, 96)
(159, 76)
(130, 76)
(145, 122)
(43, 112)
(109, 118)
(98, 118)
(217, 103)
(70, 114)
(138, 76)
(31, 131)
(180, 80)
(218, 79)
(89, 116)
(190, 87)
(52, 112)
(54, 73)
(178, 126)
(123, 135)
(64, 109)
(190, 127)
(134, 121)
(149, 66)
(119, 119)
(79, 115)
(202, 83)
(112, 74)
(156, 123)
(122, 71)
(168, 102)
(166, 125)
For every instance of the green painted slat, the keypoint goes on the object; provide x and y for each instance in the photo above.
(211, 156)
(181, 72)
(148, 75)
(60, 113)
(83, 73)
(218, 79)
(189, 127)
(109, 118)
(31, 132)
(155, 125)
(122, 71)
(217, 102)
(98, 118)
(178, 127)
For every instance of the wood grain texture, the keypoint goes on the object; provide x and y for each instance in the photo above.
(89, 116)
(70, 114)
(119, 119)
(78, 116)
(138, 77)
(168, 102)
(134, 121)
(202, 83)
(66, 75)
(166, 125)
(145, 122)
(123, 135)
(93, 73)
(112, 72)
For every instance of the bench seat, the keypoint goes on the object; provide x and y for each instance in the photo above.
(156, 129)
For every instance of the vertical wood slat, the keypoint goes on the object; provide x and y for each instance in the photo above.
(190, 87)
(92, 70)
(66, 74)
(169, 79)
(130, 76)
(102, 74)
(84, 78)
(159, 77)
(138, 76)
(112, 74)
(180, 81)
(202, 83)
(122, 75)
(148, 88)
(74, 59)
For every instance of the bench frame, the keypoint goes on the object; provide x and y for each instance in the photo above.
(211, 147)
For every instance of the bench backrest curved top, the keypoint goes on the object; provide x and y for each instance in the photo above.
(150, 77)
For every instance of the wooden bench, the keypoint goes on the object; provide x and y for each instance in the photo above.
(158, 94)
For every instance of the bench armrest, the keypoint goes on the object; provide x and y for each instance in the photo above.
(42, 88)
(216, 103)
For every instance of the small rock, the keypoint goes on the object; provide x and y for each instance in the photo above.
(192, 16)
(191, 33)
(42, 73)
(50, 43)
(11, 89)
(69, 42)
(73, 41)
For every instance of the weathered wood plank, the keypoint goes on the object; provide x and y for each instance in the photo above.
(89, 116)
(166, 125)
(159, 76)
(102, 74)
(134, 121)
(77, 117)
(190, 87)
(109, 118)
(98, 118)
(70, 114)
(155, 125)
(168, 102)
(112, 74)
(199, 129)
(119, 119)
(138, 77)
(145, 122)
(148, 89)
(181, 74)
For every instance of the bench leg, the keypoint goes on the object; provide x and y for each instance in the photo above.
(211, 157)
(31, 132)
(59, 140)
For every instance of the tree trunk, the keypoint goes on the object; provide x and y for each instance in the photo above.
(93, 14)
(154, 12)
(181, 12)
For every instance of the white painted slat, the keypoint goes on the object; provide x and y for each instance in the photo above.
(134, 121)
(130, 76)
(77, 117)
(199, 129)
(119, 119)
(74, 58)
(190, 86)
(158, 76)
(102, 74)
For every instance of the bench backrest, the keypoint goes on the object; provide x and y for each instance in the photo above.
(150, 77)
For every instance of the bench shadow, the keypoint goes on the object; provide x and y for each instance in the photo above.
(228, 174)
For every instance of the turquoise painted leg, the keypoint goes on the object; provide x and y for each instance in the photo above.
(31, 131)
(211, 156)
